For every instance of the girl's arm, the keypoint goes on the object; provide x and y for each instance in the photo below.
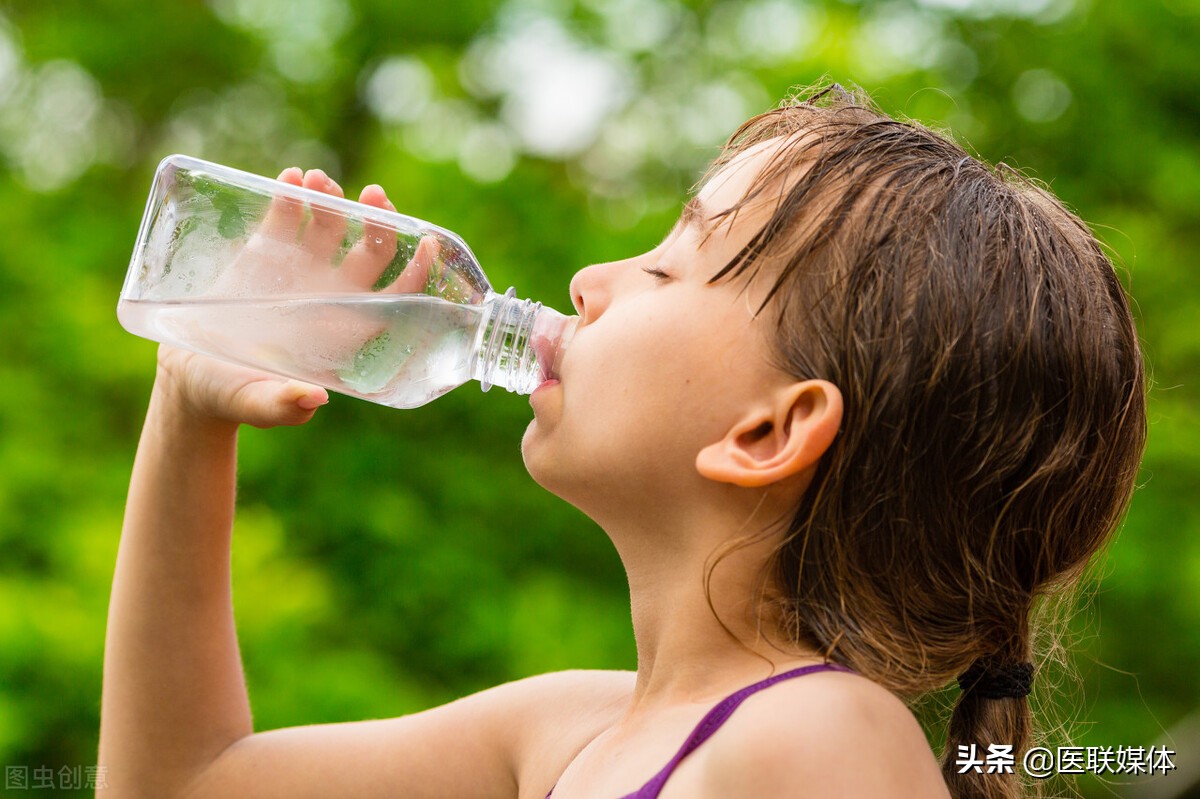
(174, 695)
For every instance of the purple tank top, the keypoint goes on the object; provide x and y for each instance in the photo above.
(713, 720)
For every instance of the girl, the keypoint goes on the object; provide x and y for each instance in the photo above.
(867, 406)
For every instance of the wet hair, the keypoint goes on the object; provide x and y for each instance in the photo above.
(994, 403)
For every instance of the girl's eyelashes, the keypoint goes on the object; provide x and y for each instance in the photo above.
(657, 274)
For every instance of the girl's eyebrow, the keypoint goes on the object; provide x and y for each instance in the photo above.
(694, 213)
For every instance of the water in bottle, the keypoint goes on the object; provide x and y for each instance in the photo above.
(207, 275)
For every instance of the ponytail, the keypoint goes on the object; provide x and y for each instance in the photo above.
(989, 732)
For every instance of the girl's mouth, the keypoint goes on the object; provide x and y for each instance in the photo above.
(549, 343)
(544, 349)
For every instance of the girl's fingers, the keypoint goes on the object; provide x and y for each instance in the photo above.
(267, 403)
(416, 274)
(285, 215)
(376, 196)
(324, 231)
(374, 251)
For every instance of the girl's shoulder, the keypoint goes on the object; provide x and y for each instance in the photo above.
(561, 712)
(829, 734)
(575, 694)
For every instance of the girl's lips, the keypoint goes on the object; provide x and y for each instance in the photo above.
(538, 395)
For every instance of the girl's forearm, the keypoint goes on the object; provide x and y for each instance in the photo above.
(174, 695)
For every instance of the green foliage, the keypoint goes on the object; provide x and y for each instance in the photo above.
(385, 560)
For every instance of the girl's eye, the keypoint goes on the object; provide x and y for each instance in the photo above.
(657, 274)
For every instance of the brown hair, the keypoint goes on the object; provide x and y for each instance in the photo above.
(993, 392)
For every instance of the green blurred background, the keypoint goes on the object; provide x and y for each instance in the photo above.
(386, 561)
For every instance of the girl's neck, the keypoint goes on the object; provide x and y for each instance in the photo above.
(684, 654)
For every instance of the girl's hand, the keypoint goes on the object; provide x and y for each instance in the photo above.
(212, 391)
(294, 247)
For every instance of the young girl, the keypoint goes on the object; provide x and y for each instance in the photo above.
(867, 406)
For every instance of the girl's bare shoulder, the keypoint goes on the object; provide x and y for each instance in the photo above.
(829, 734)
(575, 694)
(561, 713)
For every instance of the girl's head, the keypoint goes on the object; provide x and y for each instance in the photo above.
(929, 359)
(993, 400)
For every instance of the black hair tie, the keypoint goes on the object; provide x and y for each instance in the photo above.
(989, 681)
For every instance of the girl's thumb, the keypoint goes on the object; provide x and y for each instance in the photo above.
(271, 403)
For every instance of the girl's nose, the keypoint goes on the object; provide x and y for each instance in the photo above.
(591, 291)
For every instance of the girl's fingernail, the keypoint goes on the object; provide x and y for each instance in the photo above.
(309, 402)
(308, 397)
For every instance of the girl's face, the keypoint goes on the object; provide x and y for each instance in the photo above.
(662, 363)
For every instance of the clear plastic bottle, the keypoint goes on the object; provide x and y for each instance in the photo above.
(214, 271)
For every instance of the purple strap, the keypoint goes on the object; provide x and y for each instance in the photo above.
(713, 720)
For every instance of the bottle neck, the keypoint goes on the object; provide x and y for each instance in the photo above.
(521, 343)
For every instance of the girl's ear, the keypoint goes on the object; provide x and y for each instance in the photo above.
(777, 439)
